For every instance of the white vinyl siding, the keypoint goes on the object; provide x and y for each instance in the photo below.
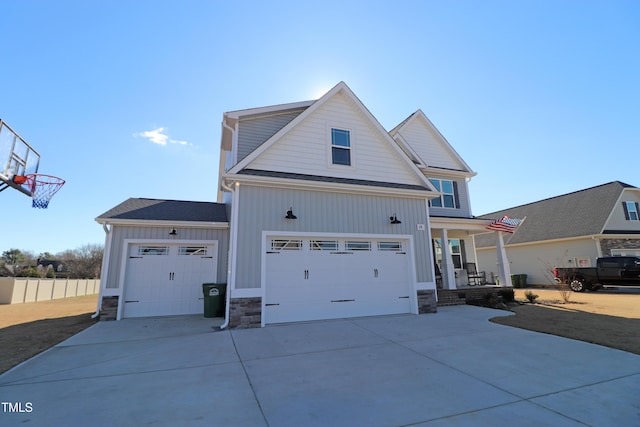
(303, 150)
(429, 146)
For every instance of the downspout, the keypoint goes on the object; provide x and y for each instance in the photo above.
(231, 256)
(104, 268)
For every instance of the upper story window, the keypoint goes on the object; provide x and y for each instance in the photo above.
(340, 147)
(449, 198)
(631, 211)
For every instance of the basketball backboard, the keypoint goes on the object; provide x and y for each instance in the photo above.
(16, 158)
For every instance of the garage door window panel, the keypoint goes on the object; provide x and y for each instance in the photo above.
(153, 250)
(286, 245)
(323, 245)
(193, 251)
(353, 245)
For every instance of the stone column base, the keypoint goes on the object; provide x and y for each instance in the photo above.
(245, 313)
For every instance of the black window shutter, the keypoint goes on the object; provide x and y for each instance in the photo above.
(463, 252)
(455, 195)
(638, 209)
(626, 211)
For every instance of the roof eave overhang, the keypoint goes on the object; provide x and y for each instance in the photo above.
(302, 184)
(472, 225)
(431, 171)
(161, 223)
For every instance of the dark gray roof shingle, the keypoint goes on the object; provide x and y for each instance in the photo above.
(167, 210)
(581, 213)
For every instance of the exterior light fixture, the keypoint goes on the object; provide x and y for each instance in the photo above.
(173, 232)
(290, 214)
(394, 219)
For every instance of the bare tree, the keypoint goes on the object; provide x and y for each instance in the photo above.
(84, 262)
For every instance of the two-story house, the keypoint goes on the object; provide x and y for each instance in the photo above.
(570, 230)
(321, 214)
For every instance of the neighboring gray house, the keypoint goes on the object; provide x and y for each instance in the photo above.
(568, 230)
(321, 214)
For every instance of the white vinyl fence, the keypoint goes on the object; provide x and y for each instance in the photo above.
(14, 290)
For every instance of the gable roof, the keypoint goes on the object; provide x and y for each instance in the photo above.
(581, 213)
(339, 88)
(165, 210)
(444, 145)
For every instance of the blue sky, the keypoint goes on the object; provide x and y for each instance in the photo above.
(125, 98)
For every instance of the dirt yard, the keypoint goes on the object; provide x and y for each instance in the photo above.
(608, 317)
(30, 328)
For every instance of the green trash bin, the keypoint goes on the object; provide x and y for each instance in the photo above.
(214, 299)
(515, 280)
(523, 280)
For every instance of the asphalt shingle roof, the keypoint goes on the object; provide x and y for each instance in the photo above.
(167, 210)
(581, 213)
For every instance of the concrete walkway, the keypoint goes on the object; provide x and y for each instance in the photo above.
(453, 368)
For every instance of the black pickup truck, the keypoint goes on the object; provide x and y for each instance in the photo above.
(609, 271)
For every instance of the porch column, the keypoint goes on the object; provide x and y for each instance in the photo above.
(448, 270)
(504, 270)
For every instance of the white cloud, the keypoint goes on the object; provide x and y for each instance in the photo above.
(160, 137)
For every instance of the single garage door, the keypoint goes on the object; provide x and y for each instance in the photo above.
(166, 279)
(328, 278)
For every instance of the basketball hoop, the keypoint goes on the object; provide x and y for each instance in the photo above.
(42, 187)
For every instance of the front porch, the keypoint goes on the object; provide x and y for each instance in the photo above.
(455, 263)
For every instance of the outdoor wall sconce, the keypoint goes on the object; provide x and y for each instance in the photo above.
(290, 214)
(173, 232)
(394, 219)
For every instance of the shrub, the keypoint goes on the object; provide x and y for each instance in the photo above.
(531, 297)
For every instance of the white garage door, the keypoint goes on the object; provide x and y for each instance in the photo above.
(166, 279)
(311, 279)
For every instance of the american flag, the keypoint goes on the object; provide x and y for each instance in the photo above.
(505, 224)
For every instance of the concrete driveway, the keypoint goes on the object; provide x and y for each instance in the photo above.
(453, 368)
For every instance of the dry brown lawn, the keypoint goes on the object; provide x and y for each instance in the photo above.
(603, 317)
(608, 317)
(31, 328)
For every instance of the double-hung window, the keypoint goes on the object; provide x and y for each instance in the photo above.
(449, 197)
(340, 147)
(631, 211)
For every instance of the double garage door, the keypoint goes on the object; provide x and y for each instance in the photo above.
(164, 279)
(328, 278)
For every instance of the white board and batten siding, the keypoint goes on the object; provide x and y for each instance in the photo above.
(309, 144)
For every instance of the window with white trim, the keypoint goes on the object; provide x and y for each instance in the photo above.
(455, 249)
(449, 197)
(631, 211)
(340, 147)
